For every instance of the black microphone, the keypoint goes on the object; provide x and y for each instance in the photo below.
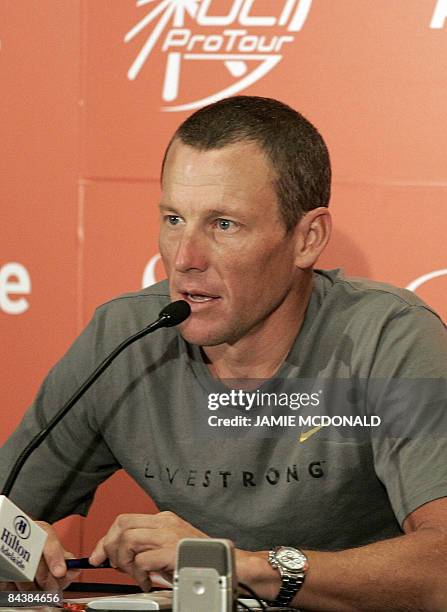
(173, 314)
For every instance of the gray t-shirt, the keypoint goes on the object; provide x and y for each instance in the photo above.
(146, 415)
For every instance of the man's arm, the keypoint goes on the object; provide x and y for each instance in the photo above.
(405, 573)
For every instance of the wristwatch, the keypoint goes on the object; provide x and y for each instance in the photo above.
(292, 565)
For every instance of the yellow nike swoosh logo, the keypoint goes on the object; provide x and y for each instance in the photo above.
(307, 434)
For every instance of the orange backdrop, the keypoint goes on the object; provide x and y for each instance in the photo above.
(91, 92)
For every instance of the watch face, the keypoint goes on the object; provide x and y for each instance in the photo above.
(291, 559)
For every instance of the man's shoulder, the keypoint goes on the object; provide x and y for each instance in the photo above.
(370, 326)
(367, 293)
(129, 312)
(149, 300)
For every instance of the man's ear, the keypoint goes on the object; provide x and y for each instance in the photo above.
(312, 235)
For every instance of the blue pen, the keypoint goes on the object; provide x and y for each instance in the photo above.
(85, 564)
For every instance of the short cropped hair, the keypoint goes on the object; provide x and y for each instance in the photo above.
(295, 148)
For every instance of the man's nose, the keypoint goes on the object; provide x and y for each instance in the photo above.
(191, 253)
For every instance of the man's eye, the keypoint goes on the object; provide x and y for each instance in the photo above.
(172, 219)
(225, 224)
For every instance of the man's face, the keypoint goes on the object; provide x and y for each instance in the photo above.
(223, 243)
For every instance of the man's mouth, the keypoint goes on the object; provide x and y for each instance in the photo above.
(198, 298)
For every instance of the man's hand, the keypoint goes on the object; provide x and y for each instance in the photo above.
(142, 543)
(52, 574)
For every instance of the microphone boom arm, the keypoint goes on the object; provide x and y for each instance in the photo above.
(173, 314)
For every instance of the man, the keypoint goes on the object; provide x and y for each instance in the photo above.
(244, 218)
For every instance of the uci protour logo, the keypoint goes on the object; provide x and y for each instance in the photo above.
(233, 34)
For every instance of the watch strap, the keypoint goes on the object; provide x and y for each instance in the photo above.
(289, 588)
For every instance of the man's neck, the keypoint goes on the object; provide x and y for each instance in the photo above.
(261, 353)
